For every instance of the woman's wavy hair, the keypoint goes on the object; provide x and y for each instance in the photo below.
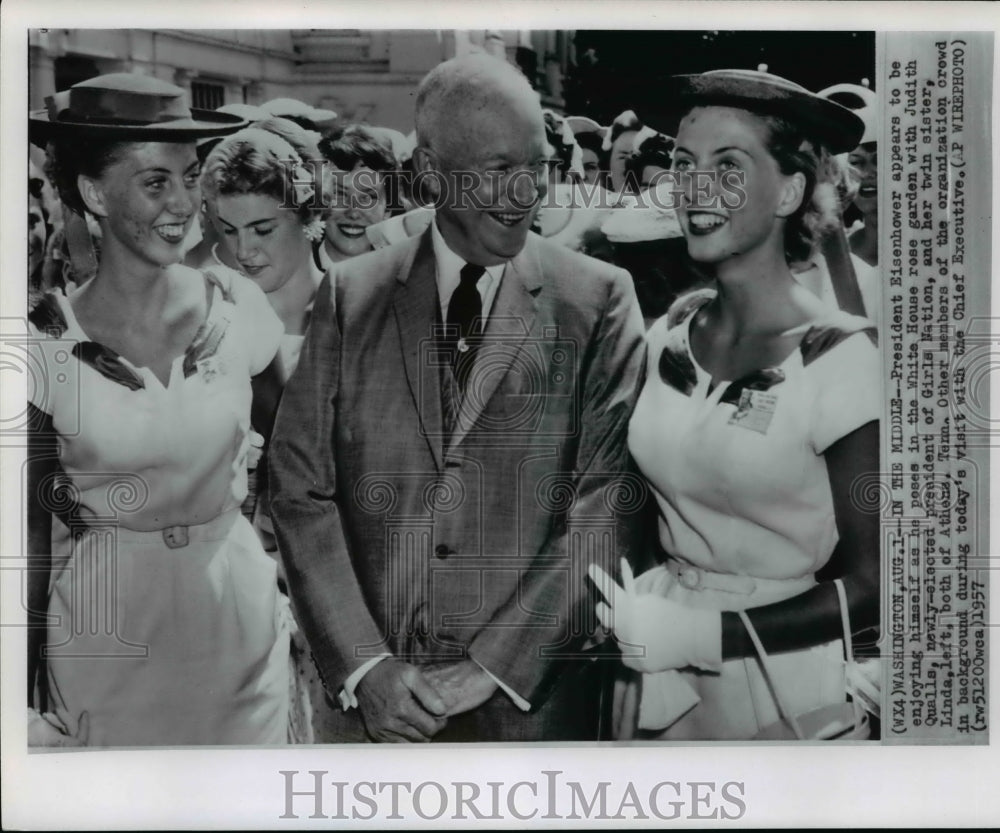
(353, 146)
(795, 152)
(594, 141)
(275, 157)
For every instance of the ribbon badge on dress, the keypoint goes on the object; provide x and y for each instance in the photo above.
(754, 410)
(755, 404)
(202, 356)
(211, 367)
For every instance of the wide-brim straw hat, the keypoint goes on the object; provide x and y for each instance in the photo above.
(837, 128)
(126, 107)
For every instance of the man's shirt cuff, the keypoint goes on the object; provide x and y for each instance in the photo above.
(519, 701)
(346, 694)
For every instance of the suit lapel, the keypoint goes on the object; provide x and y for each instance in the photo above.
(416, 307)
(509, 324)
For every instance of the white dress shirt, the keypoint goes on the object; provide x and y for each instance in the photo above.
(449, 275)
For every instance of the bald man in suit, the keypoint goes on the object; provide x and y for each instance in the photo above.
(450, 455)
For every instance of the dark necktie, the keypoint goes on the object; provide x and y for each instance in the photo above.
(465, 321)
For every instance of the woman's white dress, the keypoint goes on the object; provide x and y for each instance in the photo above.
(166, 624)
(745, 509)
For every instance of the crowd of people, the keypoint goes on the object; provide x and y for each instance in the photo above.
(369, 391)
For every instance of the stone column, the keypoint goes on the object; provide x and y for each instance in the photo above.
(41, 76)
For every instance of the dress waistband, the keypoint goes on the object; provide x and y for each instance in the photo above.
(696, 578)
(176, 537)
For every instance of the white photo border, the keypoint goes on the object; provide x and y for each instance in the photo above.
(241, 788)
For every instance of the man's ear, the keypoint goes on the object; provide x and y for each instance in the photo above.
(792, 193)
(92, 195)
(425, 165)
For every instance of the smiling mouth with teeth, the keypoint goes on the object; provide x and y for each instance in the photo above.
(507, 218)
(351, 231)
(703, 221)
(173, 233)
(868, 191)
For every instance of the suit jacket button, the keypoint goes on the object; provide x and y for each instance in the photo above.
(442, 551)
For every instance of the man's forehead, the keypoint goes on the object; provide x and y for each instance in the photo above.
(501, 122)
(494, 148)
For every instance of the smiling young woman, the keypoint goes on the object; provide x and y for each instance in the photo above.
(362, 167)
(262, 187)
(147, 422)
(759, 413)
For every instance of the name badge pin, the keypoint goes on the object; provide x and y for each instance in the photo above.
(755, 410)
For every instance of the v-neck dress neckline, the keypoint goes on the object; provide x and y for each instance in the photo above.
(716, 389)
(144, 371)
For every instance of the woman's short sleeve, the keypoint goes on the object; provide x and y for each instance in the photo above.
(260, 327)
(848, 384)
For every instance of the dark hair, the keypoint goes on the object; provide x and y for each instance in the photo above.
(355, 146)
(795, 152)
(70, 157)
(656, 149)
(592, 140)
(254, 161)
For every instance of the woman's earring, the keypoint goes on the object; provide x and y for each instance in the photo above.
(315, 230)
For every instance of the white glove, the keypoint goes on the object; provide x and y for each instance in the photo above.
(654, 633)
(657, 581)
(46, 730)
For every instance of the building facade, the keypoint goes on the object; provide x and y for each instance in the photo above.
(364, 75)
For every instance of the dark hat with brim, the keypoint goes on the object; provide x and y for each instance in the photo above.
(835, 127)
(126, 107)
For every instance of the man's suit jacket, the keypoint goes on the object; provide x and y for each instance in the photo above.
(399, 539)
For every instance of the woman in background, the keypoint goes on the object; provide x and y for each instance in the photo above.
(594, 166)
(260, 187)
(619, 142)
(863, 161)
(363, 166)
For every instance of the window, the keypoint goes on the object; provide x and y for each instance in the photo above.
(206, 95)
